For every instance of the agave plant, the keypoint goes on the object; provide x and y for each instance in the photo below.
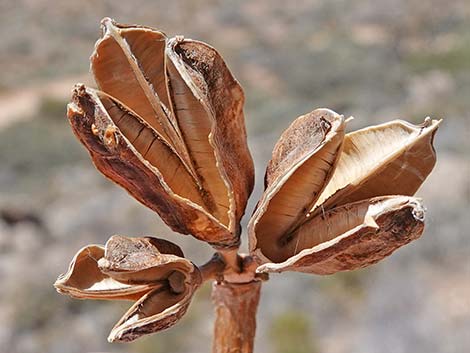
(166, 123)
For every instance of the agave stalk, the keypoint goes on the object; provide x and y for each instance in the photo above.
(235, 316)
(166, 123)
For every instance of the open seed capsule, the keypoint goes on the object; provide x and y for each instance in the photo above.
(351, 236)
(167, 124)
(315, 169)
(151, 271)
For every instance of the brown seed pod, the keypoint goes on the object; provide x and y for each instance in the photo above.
(85, 280)
(302, 164)
(221, 98)
(351, 236)
(142, 260)
(143, 174)
(172, 107)
(150, 270)
(157, 310)
(389, 159)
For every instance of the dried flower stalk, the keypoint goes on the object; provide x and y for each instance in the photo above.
(233, 301)
(166, 123)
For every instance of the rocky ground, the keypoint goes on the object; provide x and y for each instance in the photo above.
(375, 60)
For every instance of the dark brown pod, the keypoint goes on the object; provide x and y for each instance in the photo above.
(351, 236)
(150, 271)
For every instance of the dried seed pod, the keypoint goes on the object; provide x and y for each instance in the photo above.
(149, 270)
(129, 64)
(351, 236)
(150, 260)
(171, 111)
(149, 171)
(84, 279)
(159, 309)
(201, 82)
(143, 260)
(389, 159)
(302, 164)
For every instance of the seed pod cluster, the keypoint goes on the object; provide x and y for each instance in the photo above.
(167, 125)
(336, 201)
(152, 272)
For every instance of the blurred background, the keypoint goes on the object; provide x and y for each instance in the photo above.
(376, 60)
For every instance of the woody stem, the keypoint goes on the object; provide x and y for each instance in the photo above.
(213, 269)
(235, 310)
(235, 294)
(232, 259)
